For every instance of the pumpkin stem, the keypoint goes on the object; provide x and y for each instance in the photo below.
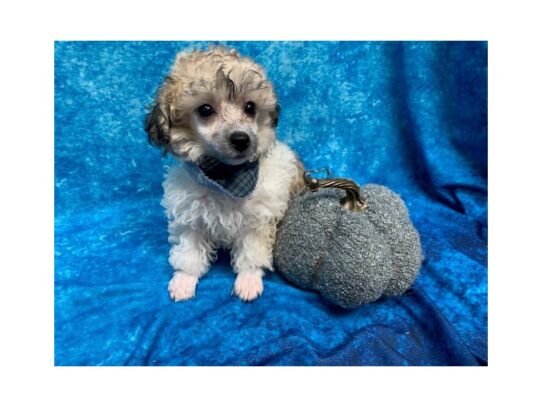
(352, 201)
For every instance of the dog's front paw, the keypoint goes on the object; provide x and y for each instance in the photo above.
(248, 285)
(182, 286)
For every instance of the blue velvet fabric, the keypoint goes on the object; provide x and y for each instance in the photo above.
(412, 116)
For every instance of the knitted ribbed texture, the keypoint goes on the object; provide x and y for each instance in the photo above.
(351, 258)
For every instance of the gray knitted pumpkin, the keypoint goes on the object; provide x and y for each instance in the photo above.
(352, 250)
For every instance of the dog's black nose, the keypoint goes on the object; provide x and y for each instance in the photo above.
(239, 140)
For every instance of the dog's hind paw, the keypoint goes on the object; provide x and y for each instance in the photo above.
(182, 286)
(248, 285)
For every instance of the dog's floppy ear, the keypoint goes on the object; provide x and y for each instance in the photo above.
(157, 125)
(275, 116)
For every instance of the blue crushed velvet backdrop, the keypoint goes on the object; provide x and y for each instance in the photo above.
(412, 116)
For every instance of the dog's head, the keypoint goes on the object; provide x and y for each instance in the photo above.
(214, 103)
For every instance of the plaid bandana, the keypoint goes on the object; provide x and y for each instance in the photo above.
(235, 181)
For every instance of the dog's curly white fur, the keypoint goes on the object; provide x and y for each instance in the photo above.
(201, 219)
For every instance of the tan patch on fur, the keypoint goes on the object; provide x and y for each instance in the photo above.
(298, 182)
(223, 79)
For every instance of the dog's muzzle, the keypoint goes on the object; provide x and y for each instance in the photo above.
(239, 140)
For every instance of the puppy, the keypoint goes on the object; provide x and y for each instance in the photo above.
(217, 113)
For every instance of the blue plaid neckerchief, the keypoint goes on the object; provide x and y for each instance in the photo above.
(235, 181)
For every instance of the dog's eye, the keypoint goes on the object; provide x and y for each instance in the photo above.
(205, 110)
(250, 108)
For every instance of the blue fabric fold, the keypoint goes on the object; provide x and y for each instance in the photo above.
(408, 115)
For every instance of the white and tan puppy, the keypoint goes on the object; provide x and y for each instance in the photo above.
(217, 113)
